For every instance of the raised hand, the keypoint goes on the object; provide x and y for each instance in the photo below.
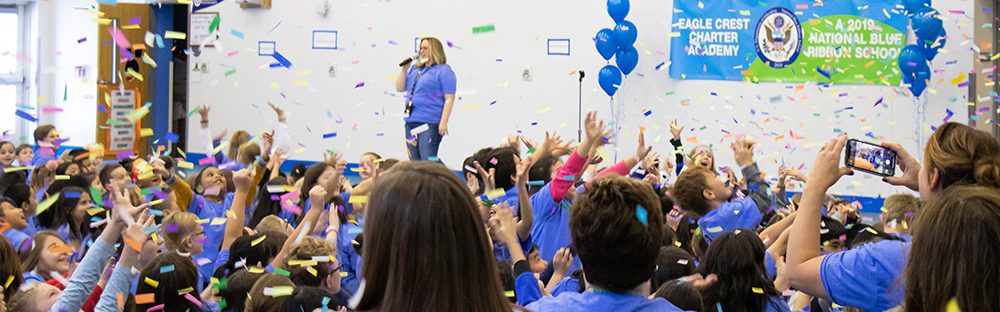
(277, 111)
(676, 129)
(650, 162)
(642, 150)
(203, 112)
(826, 170)
(907, 164)
(562, 260)
(243, 178)
(268, 141)
(317, 194)
(502, 224)
(488, 176)
(523, 167)
(743, 150)
(331, 157)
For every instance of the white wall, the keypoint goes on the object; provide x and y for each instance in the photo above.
(374, 36)
(61, 23)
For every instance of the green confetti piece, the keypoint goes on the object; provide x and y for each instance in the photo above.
(281, 272)
(215, 24)
(96, 195)
(483, 29)
(230, 72)
(670, 93)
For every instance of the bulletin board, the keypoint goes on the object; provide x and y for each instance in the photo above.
(122, 135)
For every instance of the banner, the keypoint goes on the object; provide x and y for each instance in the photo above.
(844, 41)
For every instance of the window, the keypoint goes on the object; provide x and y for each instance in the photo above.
(11, 72)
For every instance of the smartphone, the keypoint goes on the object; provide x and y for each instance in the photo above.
(870, 158)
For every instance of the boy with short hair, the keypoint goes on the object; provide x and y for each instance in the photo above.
(701, 191)
(615, 227)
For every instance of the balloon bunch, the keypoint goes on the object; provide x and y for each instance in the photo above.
(617, 43)
(931, 37)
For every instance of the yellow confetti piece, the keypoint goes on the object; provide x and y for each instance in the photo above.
(300, 150)
(175, 35)
(62, 177)
(258, 240)
(358, 199)
(102, 21)
(14, 169)
(218, 221)
(343, 274)
(279, 291)
(717, 229)
(45, 204)
(156, 202)
(962, 77)
(495, 193)
(302, 263)
(9, 280)
(148, 60)
(145, 132)
(544, 110)
(745, 12)
(995, 57)
(701, 5)
(128, 27)
(185, 165)
(202, 221)
(757, 290)
(509, 294)
(256, 270)
(311, 271)
(952, 306)
(151, 282)
(185, 290)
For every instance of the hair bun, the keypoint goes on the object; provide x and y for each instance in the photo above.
(987, 171)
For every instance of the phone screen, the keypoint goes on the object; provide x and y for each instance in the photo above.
(870, 158)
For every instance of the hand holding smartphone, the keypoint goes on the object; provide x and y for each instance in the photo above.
(870, 158)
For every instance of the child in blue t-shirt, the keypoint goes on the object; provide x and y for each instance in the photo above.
(701, 191)
(617, 229)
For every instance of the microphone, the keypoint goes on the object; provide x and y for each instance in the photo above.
(582, 74)
(409, 60)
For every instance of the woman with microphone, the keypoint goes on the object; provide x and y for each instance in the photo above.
(429, 84)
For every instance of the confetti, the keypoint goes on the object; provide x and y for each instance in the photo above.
(151, 282)
(45, 204)
(483, 29)
(258, 240)
(642, 215)
(358, 199)
(166, 269)
(757, 290)
(175, 35)
(145, 298)
(495, 193)
(25, 115)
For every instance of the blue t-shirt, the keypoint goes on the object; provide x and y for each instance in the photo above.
(567, 284)
(206, 209)
(43, 157)
(16, 237)
(350, 260)
(868, 277)
(593, 301)
(428, 96)
(740, 213)
(550, 231)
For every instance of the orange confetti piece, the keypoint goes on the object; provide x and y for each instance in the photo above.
(137, 246)
(60, 249)
(145, 298)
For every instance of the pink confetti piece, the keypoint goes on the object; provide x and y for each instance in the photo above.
(155, 308)
(119, 37)
(234, 53)
(194, 300)
(206, 161)
(51, 109)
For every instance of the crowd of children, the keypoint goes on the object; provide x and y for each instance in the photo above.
(533, 227)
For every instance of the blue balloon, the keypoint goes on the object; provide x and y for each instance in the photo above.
(917, 6)
(930, 49)
(606, 43)
(927, 26)
(625, 33)
(618, 9)
(627, 59)
(610, 78)
(911, 60)
(920, 84)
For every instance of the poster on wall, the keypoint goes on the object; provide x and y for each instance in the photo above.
(122, 135)
(846, 42)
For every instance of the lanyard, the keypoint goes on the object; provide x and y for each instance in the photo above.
(416, 78)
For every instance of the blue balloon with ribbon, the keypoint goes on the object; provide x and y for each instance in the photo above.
(911, 60)
(625, 34)
(627, 58)
(618, 9)
(610, 78)
(929, 28)
(917, 6)
(606, 43)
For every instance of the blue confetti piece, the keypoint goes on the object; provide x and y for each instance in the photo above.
(281, 59)
(536, 183)
(236, 33)
(71, 195)
(166, 269)
(642, 215)
(948, 114)
(570, 177)
(102, 109)
(647, 113)
(433, 158)
(25, 115)
(823, 72)
(172, 137)
(330, 135)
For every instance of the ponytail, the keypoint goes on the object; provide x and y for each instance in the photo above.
(987, 172)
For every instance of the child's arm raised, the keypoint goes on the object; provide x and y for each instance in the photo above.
(804, 259)
(205, 131)
(570, 171)
(622, 168)
(234, 226)
(524, 200)
(743, 150)
(121, 280)
(317, 199)
(678, 152)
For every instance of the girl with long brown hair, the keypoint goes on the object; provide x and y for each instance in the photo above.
(868, 277)
(425, 246)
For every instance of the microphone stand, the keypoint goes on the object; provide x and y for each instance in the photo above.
(579, 110)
